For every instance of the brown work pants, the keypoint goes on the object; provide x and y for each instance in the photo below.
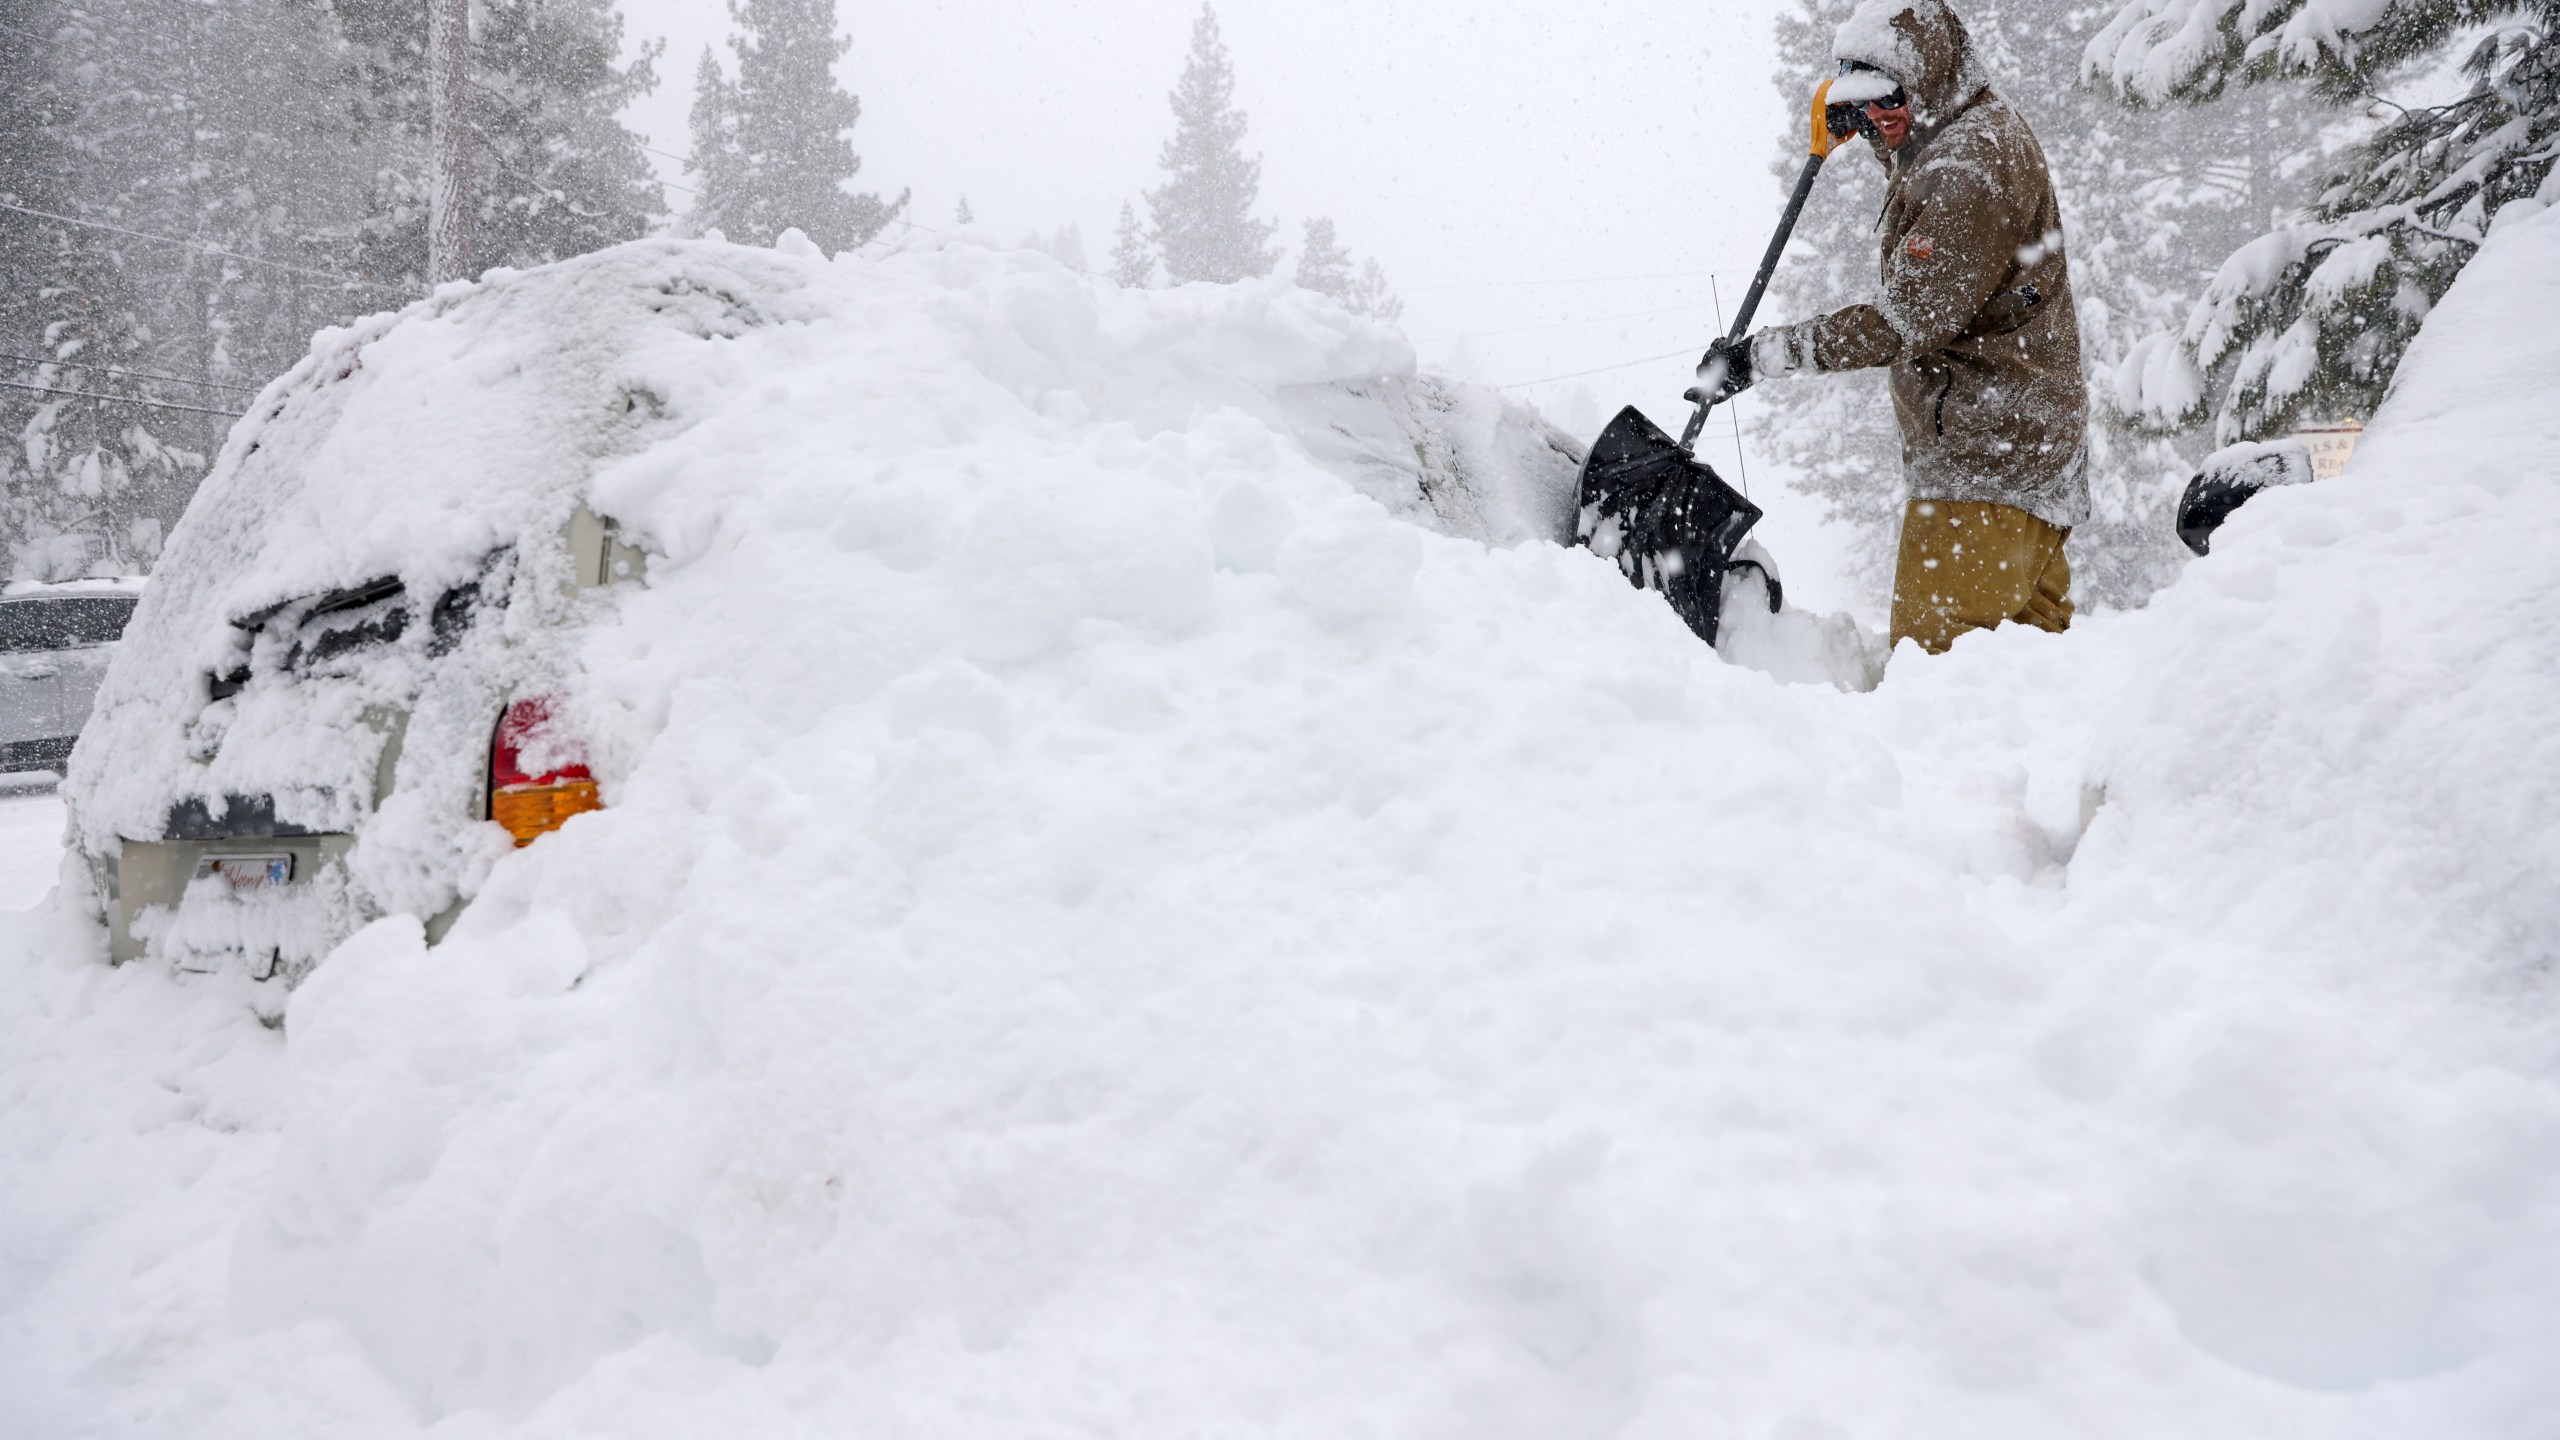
(1971, 564)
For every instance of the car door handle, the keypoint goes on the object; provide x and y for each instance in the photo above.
(39, 672)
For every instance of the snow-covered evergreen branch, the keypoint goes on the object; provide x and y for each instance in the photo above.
(2310, 319)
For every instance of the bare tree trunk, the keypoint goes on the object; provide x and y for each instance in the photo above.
(448, 141)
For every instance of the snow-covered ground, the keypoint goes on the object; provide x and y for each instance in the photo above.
(30, 840)
(1166, 947)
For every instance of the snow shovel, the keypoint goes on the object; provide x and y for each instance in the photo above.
(1650, 503)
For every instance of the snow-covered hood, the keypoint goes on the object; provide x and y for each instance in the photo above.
(1920, 43)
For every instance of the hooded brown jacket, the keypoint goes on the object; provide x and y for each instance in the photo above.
(1975, 314)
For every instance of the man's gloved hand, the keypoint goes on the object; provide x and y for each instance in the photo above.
(1723, 372)
(1847, 123)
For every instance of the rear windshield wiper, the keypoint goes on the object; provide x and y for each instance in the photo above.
(353, 597)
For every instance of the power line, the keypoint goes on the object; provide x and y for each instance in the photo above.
(1602, 370)
(136, 374)
(501, 96)
(685, 160)
(235, 16)
(1576, 280)
(196, 245)
(120, 400)
(1565, 324)
(912, 225)
(1741, 466)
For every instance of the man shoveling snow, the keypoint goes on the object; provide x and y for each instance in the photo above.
(1975, 318)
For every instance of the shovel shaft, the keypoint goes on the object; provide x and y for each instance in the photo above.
(1760, 282)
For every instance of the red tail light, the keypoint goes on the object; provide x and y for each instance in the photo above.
(531, 802)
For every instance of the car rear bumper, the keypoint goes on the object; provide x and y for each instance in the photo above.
(148, 876)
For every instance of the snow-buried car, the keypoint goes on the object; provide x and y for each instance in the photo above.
(359, 679)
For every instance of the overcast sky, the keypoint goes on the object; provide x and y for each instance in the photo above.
(1507, 165)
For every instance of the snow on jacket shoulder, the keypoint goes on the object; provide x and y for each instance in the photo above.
(1975, 316)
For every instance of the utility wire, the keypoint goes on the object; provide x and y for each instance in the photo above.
(248, 21)
(120, 399)
(681, 159)
(501, 96)
(1602, 370)
(1741, 467)
(1564, 324)
(196, 245)
(136, 374)
(1576, 280)
(912, 225)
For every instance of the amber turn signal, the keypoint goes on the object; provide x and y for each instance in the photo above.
(534, 800)
(528, 811)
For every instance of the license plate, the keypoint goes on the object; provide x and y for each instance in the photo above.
(247, 872)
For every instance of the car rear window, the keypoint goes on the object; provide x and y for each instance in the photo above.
(62, 622)
(358, 618)
(329, 632)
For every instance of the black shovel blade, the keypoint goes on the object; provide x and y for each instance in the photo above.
(1664, 515)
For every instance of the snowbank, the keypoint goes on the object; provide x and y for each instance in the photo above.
(1148, 943)
(436, 457)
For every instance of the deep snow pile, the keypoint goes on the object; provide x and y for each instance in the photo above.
(1145, 942)
(416, 477)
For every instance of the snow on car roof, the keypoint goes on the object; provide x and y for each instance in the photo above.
(413, 442)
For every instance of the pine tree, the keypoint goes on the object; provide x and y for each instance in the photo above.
(786, 126)
(32, 166)
(558, 173)
(1133, 260)
(1203, 213)
(1324, 266)
(2310, 318)
(1370, 296)
(713, 124)
(91, 480)
(1067, 244)
(1064, 245)
(65, 468)
(201, 127)
(961, 214)
(555, 173)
